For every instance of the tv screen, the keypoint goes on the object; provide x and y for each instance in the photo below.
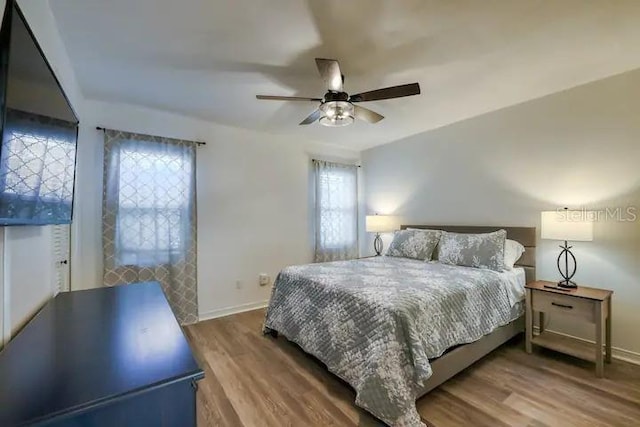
(39, 132)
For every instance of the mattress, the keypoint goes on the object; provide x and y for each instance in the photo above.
(376, 322)
(514, 282)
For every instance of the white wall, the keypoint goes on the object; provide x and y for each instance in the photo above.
(253, 202)
(27, 263)
(578, 148)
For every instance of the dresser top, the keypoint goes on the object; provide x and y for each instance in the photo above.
(86, 347)
(579, 292)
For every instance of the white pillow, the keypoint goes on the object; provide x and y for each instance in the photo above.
(512, 253)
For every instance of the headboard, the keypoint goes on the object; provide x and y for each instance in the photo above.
(525, 235)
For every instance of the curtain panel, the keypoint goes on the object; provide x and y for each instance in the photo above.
(149, 216)
(336, 211)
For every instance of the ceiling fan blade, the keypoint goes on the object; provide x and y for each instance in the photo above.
(312, 117)
(367, 115)
(330, 72)
(387, 93)
(287, 98)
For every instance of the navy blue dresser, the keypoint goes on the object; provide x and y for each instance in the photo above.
(101, 357)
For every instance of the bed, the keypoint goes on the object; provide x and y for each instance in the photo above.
(395, 328)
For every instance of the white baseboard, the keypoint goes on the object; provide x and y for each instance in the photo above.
(616, 353)
(227, 311)
(626, 355)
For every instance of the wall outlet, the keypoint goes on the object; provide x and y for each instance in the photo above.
(264, 279)
(238, 284)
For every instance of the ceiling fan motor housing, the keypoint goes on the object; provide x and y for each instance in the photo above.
(336, 96)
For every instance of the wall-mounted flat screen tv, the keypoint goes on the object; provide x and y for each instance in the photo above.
(39, 131)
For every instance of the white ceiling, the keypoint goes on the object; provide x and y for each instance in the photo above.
(209, 58)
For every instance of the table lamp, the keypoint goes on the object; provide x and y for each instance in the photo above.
(379, 224)
(566, 225)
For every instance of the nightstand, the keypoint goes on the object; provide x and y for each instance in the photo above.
(588, 305)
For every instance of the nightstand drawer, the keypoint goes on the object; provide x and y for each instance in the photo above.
(564, 304)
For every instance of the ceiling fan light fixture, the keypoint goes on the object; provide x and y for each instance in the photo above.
(336, 122)
(337, 113)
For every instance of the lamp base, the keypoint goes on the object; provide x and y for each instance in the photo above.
(567, 284)
(377, 244)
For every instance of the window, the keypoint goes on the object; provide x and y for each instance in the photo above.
(153, 199)
(336, 211)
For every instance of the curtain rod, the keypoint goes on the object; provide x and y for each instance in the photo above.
(199, 143)
(318, 160)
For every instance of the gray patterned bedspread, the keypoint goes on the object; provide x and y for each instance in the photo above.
(376, 322)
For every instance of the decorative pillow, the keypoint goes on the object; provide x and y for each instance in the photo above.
(416, 244)
(434, 254)
(473, 250)
(512, 252)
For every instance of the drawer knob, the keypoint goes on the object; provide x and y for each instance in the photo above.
(557, 304)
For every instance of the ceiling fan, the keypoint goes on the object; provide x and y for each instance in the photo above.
(337, 108)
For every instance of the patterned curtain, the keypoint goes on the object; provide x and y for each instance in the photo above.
(336, 209)
(149, 216)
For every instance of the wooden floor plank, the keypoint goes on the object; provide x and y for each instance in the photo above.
(252, 380)
(491, 400)
(454, 411)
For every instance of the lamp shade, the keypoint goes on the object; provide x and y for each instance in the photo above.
(380, 223)
(576, 226)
